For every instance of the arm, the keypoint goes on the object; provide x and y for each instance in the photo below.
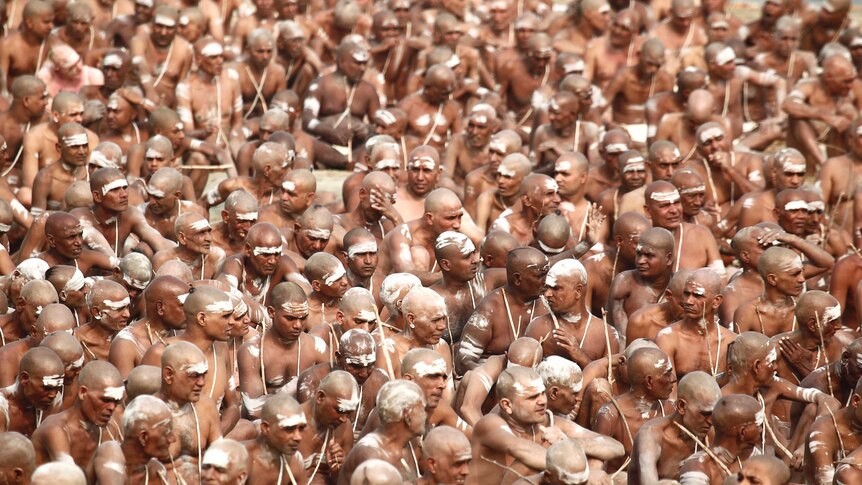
(616, 304)
(476, 337)
(29, 160)
(148, 234)
(647, 453)
(820, 258)
(489, 433)
(250, 381)
(599, 447)
(477, 391)
(122, 353)
(109, 464)
(796, 105)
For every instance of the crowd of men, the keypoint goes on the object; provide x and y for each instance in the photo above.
(591, 242)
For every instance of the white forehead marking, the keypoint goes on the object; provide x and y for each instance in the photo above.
(288, 185)
(362, 248)
(550, 250)
(452, 238)
(436, 367)
(114, 184)
(153, 153)
(363, 360)
(318, 233)
(290, 421)
(533, 387)
(726, 55)
(616, 148)
(772, 356)
(831, 313)
(115, 393)
(505, 171)
(360, 55)
(112, 60)
(497, 145)
(76, 282)
(337, 273)
(563, 166)
(76, 140)
(816, 205)
(697, 189)
(221, 306)
(212, 49)
(296, 308)
(117, 305)
(199, 368)
(200, 225)
(790, 166)
(574, 66)
(100, 160)
(796, 205)
(258, 250)
(671, 196)
(387, 163)
(348, 405)
(697, 289)
(216, 457)
(246, 216)
(710, 133)
(164, 20)
(551, 184)
(386, 117)
(53, 381)
(424, 161)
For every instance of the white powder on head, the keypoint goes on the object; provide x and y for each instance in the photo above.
(759, 418)
(212, 49)
(333, 277)
(76, 140)
(772, 356)
(550, 184)
(113, 60)
(425, 369)
(76, 282)
(424, 161)
(155, 192)
(506, 171)
(198, 369)
(387, 163)
(117, 305)
(52, 381)
(566, 268)
(694, 478)
(671, 196)
(452, 238)
(216, 457)
(291, 421)
(697, 289)
(697, 189)
(114, 184)
(362, 248)
(350, 404)
(259, 250)
(616, 148)
(831, 313)
(726, 55)
(200, 225)
(535, 386)
(115, 393)
(295, 308)
(247, 216)
(164, 20)
(318, 233)
(221, 306)
(796, 205)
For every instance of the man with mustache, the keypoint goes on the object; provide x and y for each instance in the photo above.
(360, 251)
(328, 438)
(698, 342)
(161, 57)
(194, 235)
(356, 309)
(504, 195)
(539, 197)
(252, 271)
(298, 190)
(275, 451)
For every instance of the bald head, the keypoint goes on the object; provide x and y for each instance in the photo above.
(143, 380)
(375, 472)
(163, 289)
(18, 457)
(524, 259)
(646, 363)
(142, 413)
(55, 317)
(43, 365)
(227, 456)
(553, 234)
(817, 310)
(357, 347)
(206, 300)
(177, 269)
(495, 248)
(270, 154)
(67, 348)
(519, 382)
(567, 463)
(442, 440)
(733, 411)
(628, 223)
(422, 362)
(183, 356)
(58, 472)
(777, 260)
(282, 410)
(701, 104)
(748, 347)
(395, 398)
(524, 351)
(699, 390)
(657, 238)
(441, 200)
(515, 165)
(394, 288)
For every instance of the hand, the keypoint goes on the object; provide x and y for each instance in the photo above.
(334, 455)
(599, 477)
(552, 434)
(838, 123)
(772, 235)
(795, 354)
(798, 459)
(721, 161)
(567, 343)
(381, 203)
(595, 221)
(131, 95)
(341, 134)
(548, 146)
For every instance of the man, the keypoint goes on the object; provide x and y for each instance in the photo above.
(33, 296)
(830, 438)
(569, 330)
(680, 127)
(53, 318)
(672, 102)
(729, 174)
(71, 287)
(64, 70)
(679, 32)
(51, 182)
(630, 88)
(820, 109)
(503, 315)
(376, 211)
(328, 438)
(425, 317)
(64, 235)
(38, 383)
(356, 353)
(692, 195)
(484, 178)
(195, 419)
(565, 462)
(19, 460)
(738, 424)
(652, 380)
(165, 193)
(767, 470)
(410, 246)
(538, 197)
(500, 199)
(424, 172)
(663, 443)
(194, 235)
(606, 175)
(239, 214)
(328, 280)
(57, 473)
(570, 173)
(839, 175)
(694, 245)
(300, 63)
(431, 114)
(276, 358)
(23, 50)
(607, 54)
(564, 132)
(788, 172)
(29, 99)
(460, 288)
(644, 285)
(109, 306)
(446, 455)
(225, 463)
(259, 77)
(470, 150)
(663, 160)
(119, 123)
(356, 309)
(164, 317)
(649, 320)
(773, 311)
(161, 57)
(839, 377)
(335, 121)
(524, 74)
(698, 333)
(270, 161)
(275, 450)
(620, 256)
(392, 292)
(110, 220)
(72, 354)
(73, 435)
(207, 327)
(632, 169)
(360, 251)
(401, 420)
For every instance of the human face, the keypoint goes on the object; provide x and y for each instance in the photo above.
(764, 371)
(816, 216)
(499, 17)
(634, 177)
(533, 279)
(681, 19)
(788, 41)
(239, 324)
(453, 467)
(291, 46)
(422, 175)
(41, 390)
(363, 319)
(710, 146)
(217, 325)
(336, 409)
(569, 181)
(37, 103)
(352, 67)
(176, 135)
(790, 280)
(839, 81)
(696, 301)
(649, 261)
(463, 267)
(560, 117)
(563, 294)
(266, 262)
(160, 204)
(793, 217)
(162, 35)
(428, 323)
(143, 13)
(41, 25)
(285, 435)
(261, 53)
(212, 64)
(97, 405)
(546, 198)
(754, 473)
(666, 213)
(663, 380)
(114, 316)
(447, 219)
(118, 114)
(628, 245)
(363, 263)
(530, 402)
(337, 288)
(359, 365)
(508, 181)
(198, 240)
(70, 242)
(416, 416)
(117, 199)
(160, 437)
(218, 474)
(478, 131)
(78, 25)
(312, 240)
(294, 200)
(187, 383)
(698, 417)
(665, 165)
(433, 383)
(115, 75)
(289, 323)
(598, 18)
(693, 199)
(440, 91)
(622, 29)
(76, 155)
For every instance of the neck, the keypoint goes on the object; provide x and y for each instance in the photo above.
(451, 283)
(586, 29)
(396, 434)
(576, 315)
(185, 254)
(101, 331)
(19, 113)
(321, 298)
(156, 324)
(743, 384)
(707, 321)
(29, 35)
(194, 335)
(516, 426)
(773, 295)
(809, 341)
(103, 214)
(135, 456)
(660, 282)
(734, 446)
(516, 292)
(358, 280)
(173, 402)
(207, 77)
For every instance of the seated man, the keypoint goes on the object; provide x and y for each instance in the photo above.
(52, 180)
(240, 212)
(64, 235)
(565, 462)
(276, 448)
(506, 193)
(773, 312)
(37, 385)
(109, 306)
(194, 235)
(648, 321)
(459, 286)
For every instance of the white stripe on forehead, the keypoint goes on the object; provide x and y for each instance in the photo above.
(831, 313)
(452, 238)
(115, 393)
(387, 163)
(634, 167)
(435, 367)
(134, 283)
(259, 250)
(350, 404)
(153, 153)
(360, 55)
(694, 190)
(497, 145)
(616, 148)
(550, 184)
(114, 184)
(364, 360)
(246, 216)
(505, 171)
(710, 133)
(5, 227)
(567, 268)
(76, 140)
(671, 196)
(200, 225)
(100, 160)
(212, 49)
(386, 117)
(288, 185)
(697, 288)
(336, 274)
(155, 192)
(297, 308)
(563, 166)
(796, 205)
(423, 161)
(362, 248)
(53, 381)
(574, 478)
(726, 55)
(534, 386)
(816, 205)
(117, 305)
(113, 103)
(221, 306)
(216, 457)
(76, 281)
(772, 356)
(164, 20)
(318, 233)
(199, 368)
(291, 420)
(790, 166)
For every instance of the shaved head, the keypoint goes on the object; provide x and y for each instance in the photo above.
(143, 379)
(375, 472)
(699, 390)
(524, 351)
